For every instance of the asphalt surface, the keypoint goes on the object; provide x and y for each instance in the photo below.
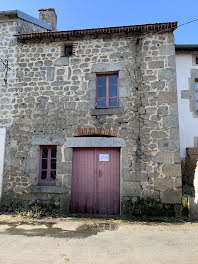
(96, 242)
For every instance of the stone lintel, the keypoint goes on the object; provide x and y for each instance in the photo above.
(82, 142)
(106, 67)
(48, 139)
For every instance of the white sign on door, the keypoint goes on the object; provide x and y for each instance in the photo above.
(103, 157)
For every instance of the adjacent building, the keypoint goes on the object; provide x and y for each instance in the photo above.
(187, 87)
(89, 118)
(13, 22)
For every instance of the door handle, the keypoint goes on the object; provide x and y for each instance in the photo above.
(99, 173)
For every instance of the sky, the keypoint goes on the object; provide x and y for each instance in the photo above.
(79, 14)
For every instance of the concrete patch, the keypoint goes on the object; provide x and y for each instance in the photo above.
(69, 226)
(4, 227)
(31, 227)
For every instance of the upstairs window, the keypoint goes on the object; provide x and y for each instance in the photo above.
(68, 51)
(47, 169)
(196, 93)
(107, 91)
(196, 60)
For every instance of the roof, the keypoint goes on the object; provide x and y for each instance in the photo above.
(186, 47)
(12, 14)
(170, 26)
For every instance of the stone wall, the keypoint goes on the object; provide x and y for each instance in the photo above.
(8, 55)
(24, 26)
(8, 76)
(56, 95)
(159, 132)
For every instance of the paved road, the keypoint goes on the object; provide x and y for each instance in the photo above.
(96, 242)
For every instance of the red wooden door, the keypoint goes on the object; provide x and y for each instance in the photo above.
(96, 180)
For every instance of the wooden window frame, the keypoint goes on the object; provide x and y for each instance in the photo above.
(107, 91)
(48, 181)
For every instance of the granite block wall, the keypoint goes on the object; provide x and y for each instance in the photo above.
(55, 95)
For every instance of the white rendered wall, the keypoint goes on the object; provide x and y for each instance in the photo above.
(188, 125)
(2, 151)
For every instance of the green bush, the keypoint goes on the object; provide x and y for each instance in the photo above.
(39, 210)
(148, 206)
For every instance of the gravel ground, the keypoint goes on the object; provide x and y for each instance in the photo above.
(96, 241)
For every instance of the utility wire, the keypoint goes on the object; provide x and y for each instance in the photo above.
(188, 22)
(169, 29)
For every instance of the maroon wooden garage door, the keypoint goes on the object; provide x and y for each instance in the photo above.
(96, 180)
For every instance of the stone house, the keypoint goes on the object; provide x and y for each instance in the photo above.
(89, 117)
(12, 22)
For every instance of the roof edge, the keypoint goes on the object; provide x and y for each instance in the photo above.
(19, 14)
(167, 26)
(186, 47)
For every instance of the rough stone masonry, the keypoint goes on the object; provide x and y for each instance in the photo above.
(56, 95)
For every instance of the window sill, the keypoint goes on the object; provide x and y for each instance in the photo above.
(48, 189)
(106, 111)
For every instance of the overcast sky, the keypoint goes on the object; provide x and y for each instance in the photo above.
(77, 14)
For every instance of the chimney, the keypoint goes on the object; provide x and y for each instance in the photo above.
(48, 15)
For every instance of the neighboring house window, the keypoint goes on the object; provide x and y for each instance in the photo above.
(107, 91)
(47, 170)
(196, 93)
(68, 51)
